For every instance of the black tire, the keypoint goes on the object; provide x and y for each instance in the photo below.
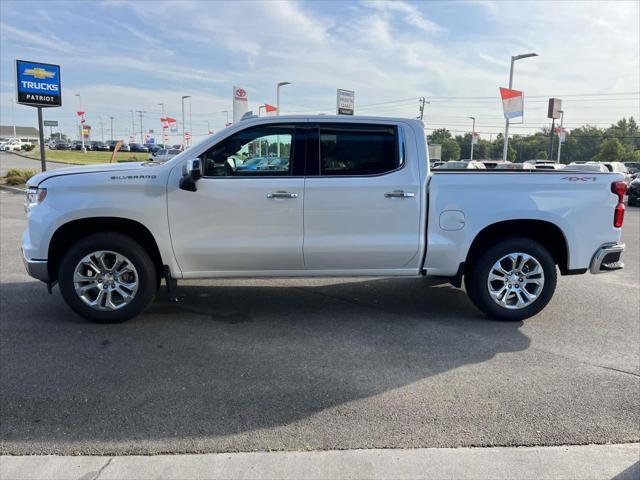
(124, 245)
(477, 275)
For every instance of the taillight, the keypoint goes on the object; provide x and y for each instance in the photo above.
(619, 188)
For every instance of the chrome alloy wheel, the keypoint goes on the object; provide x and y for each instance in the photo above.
(515, 281)
(105, 280)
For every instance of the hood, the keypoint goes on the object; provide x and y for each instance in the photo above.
(102, 167)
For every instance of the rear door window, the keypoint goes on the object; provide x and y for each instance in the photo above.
(358, 149)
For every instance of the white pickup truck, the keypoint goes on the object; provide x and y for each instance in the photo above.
(301, 196)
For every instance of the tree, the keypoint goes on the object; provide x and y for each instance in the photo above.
(611, 150)
(481, 150)
(498, 146)
(59, 136)
(450, 150)
(439, 135)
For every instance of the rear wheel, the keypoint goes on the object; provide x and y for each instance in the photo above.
(107, 278)
(512, 280)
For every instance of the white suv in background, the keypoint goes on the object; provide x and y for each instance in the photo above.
(11, 144)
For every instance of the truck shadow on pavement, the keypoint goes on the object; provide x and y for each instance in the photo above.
(232, 362)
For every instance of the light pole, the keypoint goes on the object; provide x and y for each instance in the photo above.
(506, 126)
(133, 126)
(141, 129)
(101, 129)
(281, 84)
(111, 119)
(190, 122)
(83, 150)
(473, 134)
(13, 114)
(227, 112)
(560, 135)
(208, 127)
(162, 122)
(183, 97)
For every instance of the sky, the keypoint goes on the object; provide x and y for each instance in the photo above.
(133, 55)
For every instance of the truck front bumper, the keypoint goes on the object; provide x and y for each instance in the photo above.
(607, 258)
(38, 269)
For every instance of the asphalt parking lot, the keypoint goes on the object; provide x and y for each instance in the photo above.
(316, 364)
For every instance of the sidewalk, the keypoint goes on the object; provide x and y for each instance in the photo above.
(618, 462)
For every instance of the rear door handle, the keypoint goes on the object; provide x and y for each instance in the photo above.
(399, 194)
(281, 194)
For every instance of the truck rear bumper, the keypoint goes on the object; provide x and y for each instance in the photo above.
(37, 269)
(607, 258)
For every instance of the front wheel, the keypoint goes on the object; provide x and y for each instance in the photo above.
(512, 280)
(107, 278)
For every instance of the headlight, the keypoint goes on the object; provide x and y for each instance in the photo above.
(35, 196)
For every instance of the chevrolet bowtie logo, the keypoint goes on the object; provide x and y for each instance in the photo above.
(39, 73)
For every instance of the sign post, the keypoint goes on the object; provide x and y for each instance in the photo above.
(38, 85)
(50, 124)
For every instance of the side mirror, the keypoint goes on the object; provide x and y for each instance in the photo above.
(192, 172)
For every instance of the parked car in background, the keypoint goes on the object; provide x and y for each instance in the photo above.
(491, 164)
(61, 145)
(164, 154)
(77, 145)
(99, 146)
(136, 147)
(112, 145)
(633, 167)
(460, 165)
(513, 166)
(618, 167)
(634, 193)
(544, 165)
(12, 145)
(269, 164)
(153, 147)
(586, 167)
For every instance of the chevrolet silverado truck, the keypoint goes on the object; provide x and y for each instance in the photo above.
(301, 196)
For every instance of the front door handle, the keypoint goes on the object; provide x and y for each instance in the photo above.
(281, 194)
(399, 194)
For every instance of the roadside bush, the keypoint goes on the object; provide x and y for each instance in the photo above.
(19, 176)
(27, 147)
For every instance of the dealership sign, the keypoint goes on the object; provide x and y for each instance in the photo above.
(345, 102)
(240, 103)
(554, 109)
(38, 84)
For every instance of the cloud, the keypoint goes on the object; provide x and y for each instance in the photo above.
(382, 50)
(409, 14)
(49, 42)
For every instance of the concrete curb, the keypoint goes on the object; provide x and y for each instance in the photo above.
(37, 159)
(11, 189)
(584, 461)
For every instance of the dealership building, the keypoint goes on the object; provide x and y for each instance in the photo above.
(25, 134)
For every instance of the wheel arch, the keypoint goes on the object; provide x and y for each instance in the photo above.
(548, 234)
(69, 233)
